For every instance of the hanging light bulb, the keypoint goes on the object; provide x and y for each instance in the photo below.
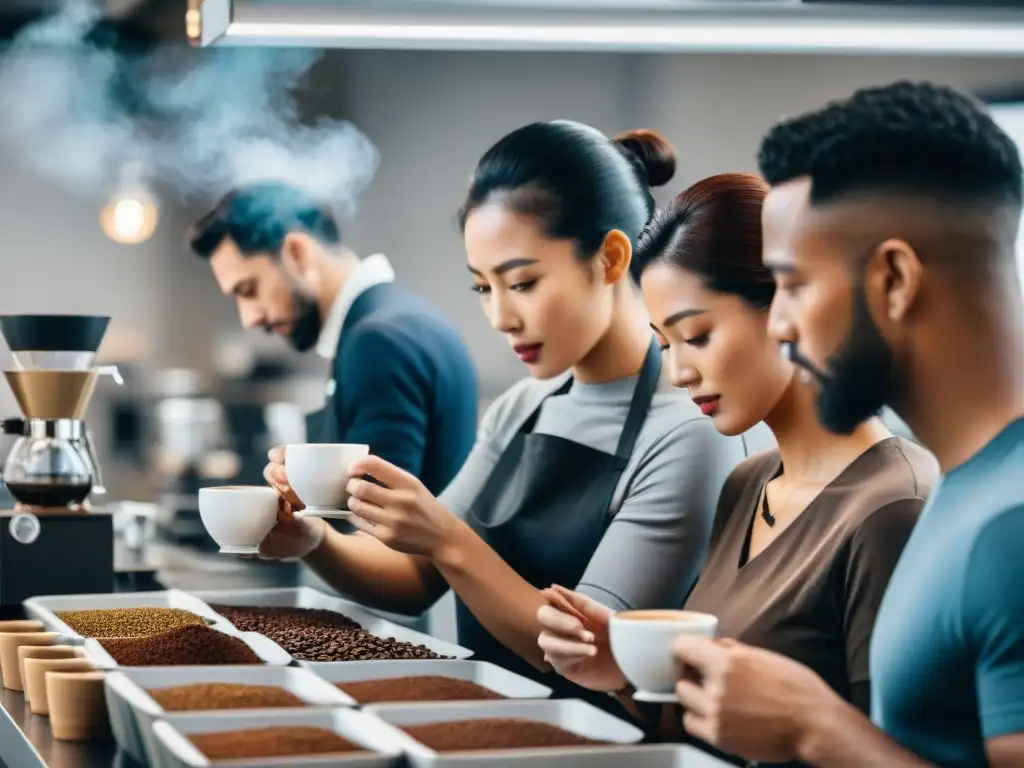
(131, 216)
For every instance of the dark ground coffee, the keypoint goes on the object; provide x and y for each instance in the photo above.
(495, 733)
(319, 635)
(421, 688)
(270, 742)
(184, 645)
(181, 698)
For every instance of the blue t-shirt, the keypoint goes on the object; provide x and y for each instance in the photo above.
(947, 654)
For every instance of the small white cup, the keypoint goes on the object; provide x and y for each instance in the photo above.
(641, 642)
(318, 473)
(238, 517)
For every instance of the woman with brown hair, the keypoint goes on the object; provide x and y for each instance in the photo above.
(805, 537)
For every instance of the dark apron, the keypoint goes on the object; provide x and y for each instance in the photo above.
(544, 509)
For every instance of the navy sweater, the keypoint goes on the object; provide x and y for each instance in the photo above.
(406, 385)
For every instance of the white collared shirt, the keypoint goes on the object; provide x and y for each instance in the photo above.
(373, 270)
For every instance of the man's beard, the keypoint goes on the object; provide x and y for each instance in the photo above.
(306, 326)
(860, 375)
(306, 323)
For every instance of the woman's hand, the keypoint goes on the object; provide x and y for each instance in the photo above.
(397, 510)
(292, 538)
(576, 643)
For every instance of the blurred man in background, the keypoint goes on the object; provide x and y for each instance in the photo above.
(401, 378)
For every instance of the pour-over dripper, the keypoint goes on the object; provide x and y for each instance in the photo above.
(54, 356)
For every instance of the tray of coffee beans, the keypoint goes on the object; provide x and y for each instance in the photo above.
(186, 646)
(542, 729)
(276, 738)
(380, 682)
(314, 627)
(136, 614)
(137, 697)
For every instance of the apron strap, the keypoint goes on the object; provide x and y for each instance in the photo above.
(646, 386)
(531, 420)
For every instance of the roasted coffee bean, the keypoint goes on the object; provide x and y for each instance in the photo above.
(421, 688)
(184, 645)
(270, 742)
(181, 698)
(495, 733)
(319, 635)
(128, 622)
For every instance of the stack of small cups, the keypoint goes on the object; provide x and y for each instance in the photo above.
(57, 680)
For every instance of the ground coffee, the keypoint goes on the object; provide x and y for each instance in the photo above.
(184, 645)
(223, 696)
(495, 733)
(421, 688)
(270, 742)
(128, 622)
(320, 635)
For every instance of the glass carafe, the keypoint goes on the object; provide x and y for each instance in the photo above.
(50, 466)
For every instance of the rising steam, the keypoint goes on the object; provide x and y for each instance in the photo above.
(197, 122)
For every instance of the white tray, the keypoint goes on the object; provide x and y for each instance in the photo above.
(45, 608)
(176, 751)
(501, 681)
(570, 714)
(307, 597)
(269, 651)
(643, 756)
(133, 711)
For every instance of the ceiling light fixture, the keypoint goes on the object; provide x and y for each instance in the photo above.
(786, 29)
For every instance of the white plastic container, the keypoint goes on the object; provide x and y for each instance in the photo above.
(176, 751)
(133, 711)
(490, 676)
(643, 756)
(45, 609)
(269, 651)
(572, 715)
(307, 597)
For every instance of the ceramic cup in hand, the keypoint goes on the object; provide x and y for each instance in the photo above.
(641, 642)
(238, 517)
(318, 473)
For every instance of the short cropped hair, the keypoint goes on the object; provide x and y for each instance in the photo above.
(908, 137)
(258, 217)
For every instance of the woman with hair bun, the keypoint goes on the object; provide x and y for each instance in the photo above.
(593, 471)
(806, 536)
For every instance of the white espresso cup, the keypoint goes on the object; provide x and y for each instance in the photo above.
(318, 473)
(238, 517)
(641, 642)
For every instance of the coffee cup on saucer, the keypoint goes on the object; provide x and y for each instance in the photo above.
(238, 517)
(641, 643)
(318, 473)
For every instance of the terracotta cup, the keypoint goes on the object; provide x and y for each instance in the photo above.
(78, 707)
(34, 677)
(43, 652)
(22, 625)
(9, 644)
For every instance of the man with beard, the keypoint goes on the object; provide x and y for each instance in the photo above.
(891, 229)
(402, 380)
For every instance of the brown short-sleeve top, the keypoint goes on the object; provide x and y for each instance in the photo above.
(813, 593)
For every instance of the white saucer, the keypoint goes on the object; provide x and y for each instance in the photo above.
(656, 698)
(239, 550)
(328, 513)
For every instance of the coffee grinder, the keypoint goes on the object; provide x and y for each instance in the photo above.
(53, 541)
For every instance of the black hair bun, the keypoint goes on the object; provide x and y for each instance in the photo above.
(653, 152)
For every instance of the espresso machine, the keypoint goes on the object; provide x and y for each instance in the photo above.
(53, 540)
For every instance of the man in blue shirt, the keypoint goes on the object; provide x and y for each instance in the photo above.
(401, 380)
(891, 229)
